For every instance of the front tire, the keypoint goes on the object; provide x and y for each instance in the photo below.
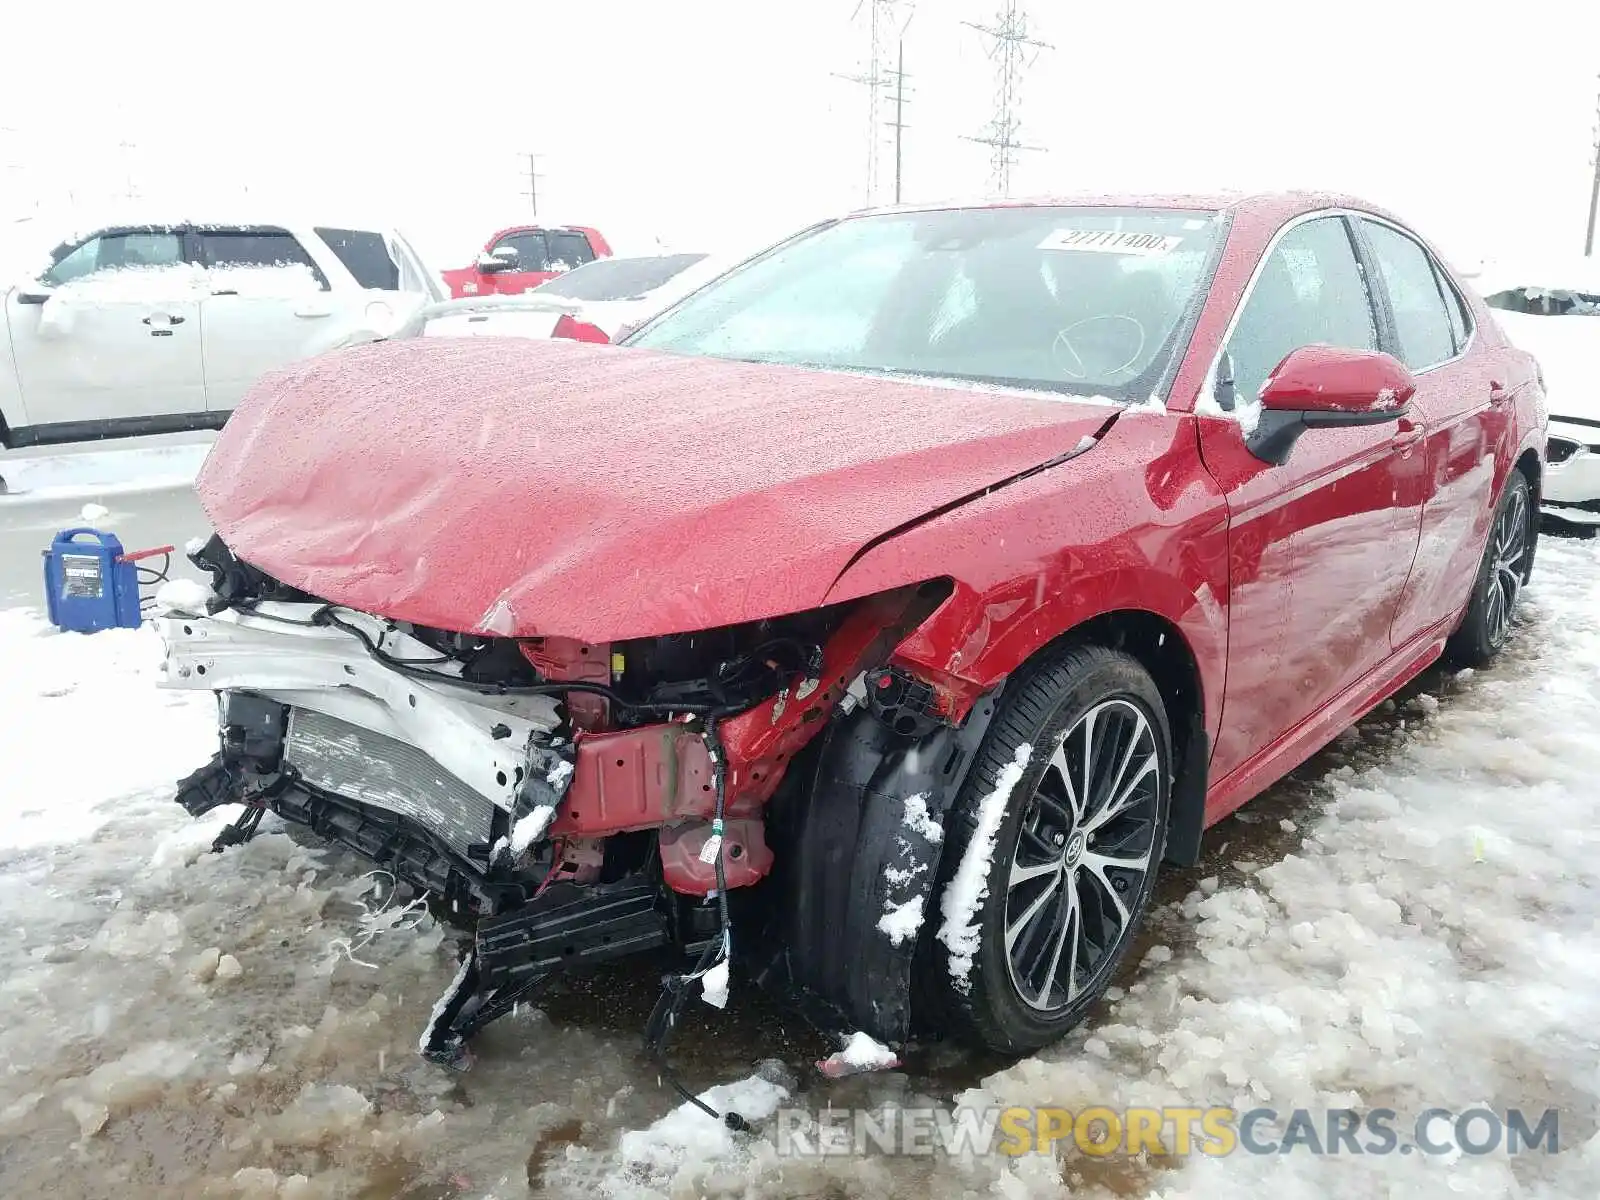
(1506, 566)
(1076, 844)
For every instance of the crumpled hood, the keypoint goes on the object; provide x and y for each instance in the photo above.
(527, 488)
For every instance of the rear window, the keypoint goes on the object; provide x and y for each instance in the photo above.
(619, 278)
(365, 255)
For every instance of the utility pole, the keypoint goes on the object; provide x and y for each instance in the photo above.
(1594, 188)
(130, 191)
(533, 181)
(876, 78)
(899, 123)
(1009, 43)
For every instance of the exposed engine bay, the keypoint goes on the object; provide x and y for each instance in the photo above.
(561, 803)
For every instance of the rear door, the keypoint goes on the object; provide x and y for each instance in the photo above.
(1319, 550)
(269, 304)
(1462, 407)
(113, 333)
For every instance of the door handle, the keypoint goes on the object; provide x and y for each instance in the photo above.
(1407, 434)
(311, 310)
(1497, 392)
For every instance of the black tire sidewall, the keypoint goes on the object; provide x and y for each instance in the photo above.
(1470, 645)
(1038, 712)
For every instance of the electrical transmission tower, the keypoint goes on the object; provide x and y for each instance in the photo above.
(1009, 47)
(1594, 188)
(886, 22)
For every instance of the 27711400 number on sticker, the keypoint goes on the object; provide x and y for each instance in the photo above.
(1111, 241)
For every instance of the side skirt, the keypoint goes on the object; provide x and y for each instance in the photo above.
(58, 432)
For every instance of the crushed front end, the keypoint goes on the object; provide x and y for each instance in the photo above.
(559, 803)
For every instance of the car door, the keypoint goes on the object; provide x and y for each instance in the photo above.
(111, 336)
(533, 262)
(1320, 548)
(268, 304)
(1464, 409)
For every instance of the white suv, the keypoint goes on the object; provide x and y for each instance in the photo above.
(139, 329)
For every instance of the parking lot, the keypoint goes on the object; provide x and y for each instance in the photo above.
(1408, 919)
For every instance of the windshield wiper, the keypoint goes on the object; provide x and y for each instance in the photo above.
(1023, 385)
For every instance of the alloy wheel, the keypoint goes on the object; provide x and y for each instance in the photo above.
(1083, 854)
(1508, 550)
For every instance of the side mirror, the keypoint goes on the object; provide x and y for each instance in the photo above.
(503, 259)
(1325, 387)
(32, 293)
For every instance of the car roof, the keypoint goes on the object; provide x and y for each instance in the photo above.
(1279, 205)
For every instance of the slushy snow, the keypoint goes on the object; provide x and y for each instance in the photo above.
(1427, 935)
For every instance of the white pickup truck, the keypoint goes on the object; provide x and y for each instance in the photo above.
(139, 329)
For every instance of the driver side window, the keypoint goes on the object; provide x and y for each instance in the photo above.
(108, 251)
(1311, 290)
(532, 252)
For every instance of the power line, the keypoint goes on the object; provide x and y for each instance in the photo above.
(877, 77)
(1009, 45)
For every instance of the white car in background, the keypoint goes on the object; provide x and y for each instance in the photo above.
(137, 329)
(1553, 312)
(599, 301)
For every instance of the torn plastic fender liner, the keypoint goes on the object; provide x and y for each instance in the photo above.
(857, 858)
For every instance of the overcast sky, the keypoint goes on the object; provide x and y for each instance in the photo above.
(716, 123)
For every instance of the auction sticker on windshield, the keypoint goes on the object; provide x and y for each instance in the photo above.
(1111, 241)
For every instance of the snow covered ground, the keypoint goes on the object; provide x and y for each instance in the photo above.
(102, 469)
(1413, 921)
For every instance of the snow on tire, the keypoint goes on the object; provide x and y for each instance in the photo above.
(1052, 850)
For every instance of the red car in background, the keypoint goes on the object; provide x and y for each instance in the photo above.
(878, 618)
(521, 257)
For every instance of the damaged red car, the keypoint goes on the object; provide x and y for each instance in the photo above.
(875, 622)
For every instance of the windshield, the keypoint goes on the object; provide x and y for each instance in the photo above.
(618, 278)
(1081, 300)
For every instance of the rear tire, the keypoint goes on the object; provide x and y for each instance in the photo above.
(1076, 849)
(1505, 569)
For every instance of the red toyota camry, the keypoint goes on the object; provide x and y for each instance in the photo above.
(876, 620)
